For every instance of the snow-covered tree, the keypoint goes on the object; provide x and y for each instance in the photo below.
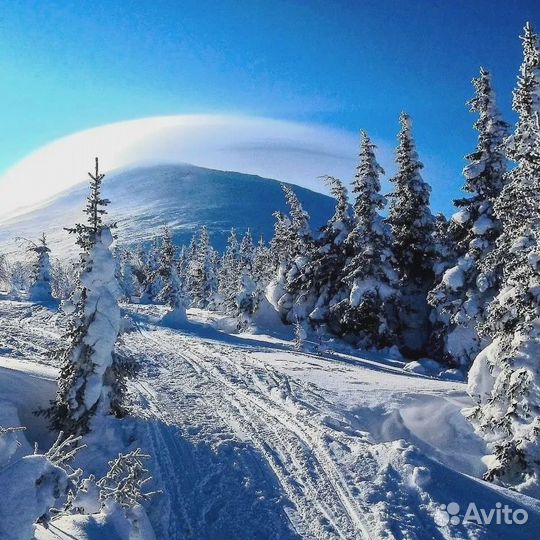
(291, 249)
(148, 270)
(300, 232)
(201, 276)
(171, 293)
(319, 287)
(504, 379)
(32, 485)
(246, 301)
(412, 228)
(464, 290)
(369, 311)
(92, 379)
(64, 278)
(128, 278)
(229, 274)
(280, 249)
(41, 285)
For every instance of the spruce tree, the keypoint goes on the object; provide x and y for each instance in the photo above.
(92, 378)
(412, 228)
(369, 311)
(505, 377)
(464, 290)
(153, 279)
(292, 247)
(245, 295)
(200, 274)
(171, 292)
(41, 285)
(281, 245)
(300, 232)
(128, 279)
(229, 274)
(319, 286)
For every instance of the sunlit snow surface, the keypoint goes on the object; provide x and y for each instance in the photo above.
(251, 439)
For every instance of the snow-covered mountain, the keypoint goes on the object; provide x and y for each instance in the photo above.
(144, 199)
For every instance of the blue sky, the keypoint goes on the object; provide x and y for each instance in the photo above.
(68, 66)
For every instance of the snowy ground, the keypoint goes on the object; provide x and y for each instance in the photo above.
(251, 439)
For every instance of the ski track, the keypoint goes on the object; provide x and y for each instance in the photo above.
(290, 442)
(196, 390)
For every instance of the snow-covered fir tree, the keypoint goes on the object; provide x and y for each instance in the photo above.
(300, 232)
(280, 249)
(246, 251)
(504, 379)
(246, 292)
(171, 292)
(318, 287)
(229, 274)
(464, 290)
(412, 228)
(201, 276)
(128, 279)
(41, 284)
(92, 378)
(445, 257)
(369, 311)
(291, 247)
(263, 266)
(150, 272)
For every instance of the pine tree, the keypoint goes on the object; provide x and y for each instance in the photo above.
(463, 292)
(214, 259)
(92, 377)
(505, 377)
(412, 228)
(369, 311)
(140, 272)
(41, 286)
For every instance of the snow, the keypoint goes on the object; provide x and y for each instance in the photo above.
(249, 438)
(482, 225)
(183, 196)
(454, 278)
(109, 523)
(30, 487)
(461, 217)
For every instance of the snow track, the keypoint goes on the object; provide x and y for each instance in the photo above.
(251, 440)
(269, 416)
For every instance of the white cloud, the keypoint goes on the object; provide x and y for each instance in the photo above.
(288, 151)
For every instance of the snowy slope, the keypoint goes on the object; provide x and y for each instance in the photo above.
(144, 199)
(251, 439)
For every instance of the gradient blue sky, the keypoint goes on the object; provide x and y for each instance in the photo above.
(67, 66)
